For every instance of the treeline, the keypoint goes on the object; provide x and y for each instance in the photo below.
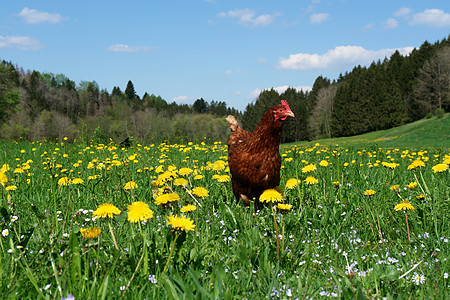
(38, 106)
(386, 94)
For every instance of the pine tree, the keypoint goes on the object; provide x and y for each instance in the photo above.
(129, 91)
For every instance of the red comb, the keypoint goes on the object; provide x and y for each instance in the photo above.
(285, 104)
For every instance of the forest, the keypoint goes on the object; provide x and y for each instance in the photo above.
(398, 90)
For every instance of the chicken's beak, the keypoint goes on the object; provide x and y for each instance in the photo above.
(290, 114)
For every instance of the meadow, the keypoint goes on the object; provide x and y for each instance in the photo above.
(158, 221)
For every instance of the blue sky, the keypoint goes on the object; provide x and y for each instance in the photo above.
(221, 50)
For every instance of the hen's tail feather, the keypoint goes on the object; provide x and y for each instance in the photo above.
(233, 122)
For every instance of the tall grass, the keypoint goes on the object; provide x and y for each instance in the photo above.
(336, 241)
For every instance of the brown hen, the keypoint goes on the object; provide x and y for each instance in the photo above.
(254, 157)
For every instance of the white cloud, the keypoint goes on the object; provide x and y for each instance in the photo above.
(247, 16)
(390, 23)
(318, 18)
(20, 42)
(126, 48)
(182, 99)
(33, 16)
(404, 11)
(431, 17)
(337, 58)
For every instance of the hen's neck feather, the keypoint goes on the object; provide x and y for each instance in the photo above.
(268, 131)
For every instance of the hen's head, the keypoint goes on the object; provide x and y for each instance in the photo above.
(282, 111)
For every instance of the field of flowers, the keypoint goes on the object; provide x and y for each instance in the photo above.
(159, 221)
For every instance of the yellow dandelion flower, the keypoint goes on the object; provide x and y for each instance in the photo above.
(291, 183)
(369, 192)
(421, 196)
(4, 168)
(223, 178)
(166, 198)
(185, 171)
(271, 195)
(323, 163)
(92, 177)
(198, 177)
(106, 210)
(416, 164)
(130, 185)
(167, 176)
(218, 165)
(394, 187)
(77, 181)
(3, 178)
(200, 192)
(180, 182)
(412, 185)
(159, 169)
(18, 171)
(284, 206)
(439, 168)
(11, 188)
(335, 183)
(91, 232)
(404, 205)
(446, 159)
(139, 212)
(188, 208)
(311, 180)
(309, 168)
(64, 181)
(181, 223)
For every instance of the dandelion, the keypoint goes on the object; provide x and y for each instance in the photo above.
(369, 192)
(185, 171)
(291, 183)
(223, 178)
(166, 198)
(18, 171)
(335, 183)
(284, 206)
(416, 164)
(394, 187)
(139, 212)
(188, 208)
(200, 192)
(271, 195)
(412, 185)
(77, 181)
(11, 188)
(404, 205)
(180, 182)
(90, 233)
(323, 163)
(106, 210)
(309, 168)
(180, 223)
(198, 177)
(311, 180)
(63, 181)
(439, 168)
(130, 185)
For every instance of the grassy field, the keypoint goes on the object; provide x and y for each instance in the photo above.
(433, 132)
(342, 237)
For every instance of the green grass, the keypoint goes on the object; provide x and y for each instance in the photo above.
(433, 132)
(334, 242)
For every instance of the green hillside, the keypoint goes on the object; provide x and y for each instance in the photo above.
(425, 133)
